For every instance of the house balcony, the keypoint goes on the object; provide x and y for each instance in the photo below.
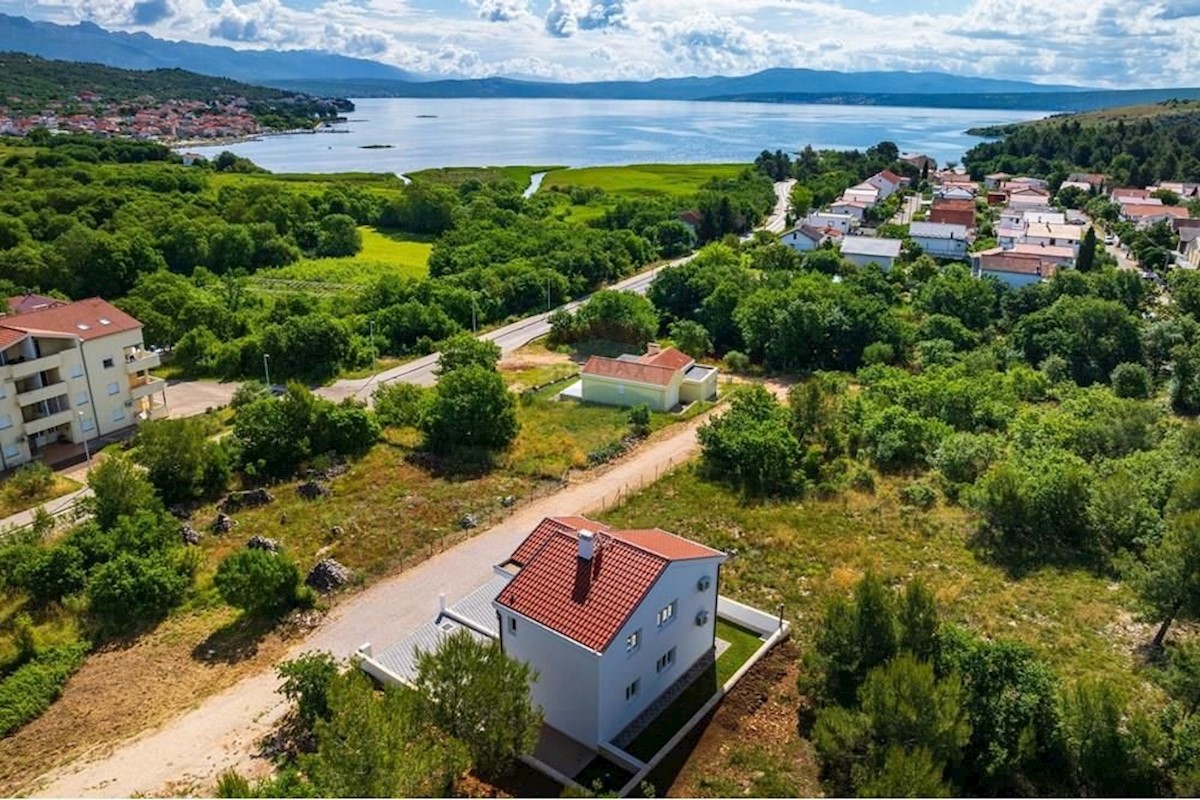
(138, 360)
(42, 424)
(155, 411)
(33, 396)
(23, 369)
(145, 386)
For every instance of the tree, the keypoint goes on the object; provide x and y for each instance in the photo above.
(639, 419)
(616, 317)
(273, 434)
(906, 773)
(751, 445)
(380, 744)
(855, 636)
(800, 200)
(1086, 260)
(131, 588)
(399, 404)
(463, 349)
(1093, 335)
(347, 428)
(471, 408)
(1168, 581)
(258, 582)
(119, 488)
(1108, 760)
(691, 338)
(339, 236)
(907, 705)
(181, 462)
(306, 681)
(480, 696)
(1131, 381)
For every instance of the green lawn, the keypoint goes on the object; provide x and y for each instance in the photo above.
(383, 253)
(309, 183)
(453, 176)
(742, 645)
(669, 180)
(802, 553)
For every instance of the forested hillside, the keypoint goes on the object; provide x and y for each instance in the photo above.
(1136, 147)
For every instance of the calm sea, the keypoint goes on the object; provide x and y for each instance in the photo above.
(483, 132)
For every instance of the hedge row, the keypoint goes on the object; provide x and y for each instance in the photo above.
(31, 689)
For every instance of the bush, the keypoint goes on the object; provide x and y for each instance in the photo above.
(1132, 381)
(30, 690)
(247, 393)
(736, 361)
(639, 419)
(31, 481)
(258, 582)
(920, 495)
(471, 408)
(879, 353)
(306, 681)
(399, 404)
(132, 588)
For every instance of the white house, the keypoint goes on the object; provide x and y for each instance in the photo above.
(609, 619)
(1143, 215)
(1010, 268)
(1054, 235)
(886, 183)
(865, 193)
(842, 223)
(804, 238)
(661, 378)
(864, 250)
(954, 191)
(71, 372)
(1045, 217)
(1029, 198)
(852, 208)
(1189, 257)
(939, 240)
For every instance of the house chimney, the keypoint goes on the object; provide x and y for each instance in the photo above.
(587, 544)
(441, 602)
(652, 349)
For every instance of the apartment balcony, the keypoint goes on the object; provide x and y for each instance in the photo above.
(23, 369)
(153, 412)
(36, 426)
(138, 360)
(45, 393)
(145, 386)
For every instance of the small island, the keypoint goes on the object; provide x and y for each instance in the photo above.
(376, 146)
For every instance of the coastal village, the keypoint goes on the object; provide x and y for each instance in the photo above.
(1007, 227)
(143, 118)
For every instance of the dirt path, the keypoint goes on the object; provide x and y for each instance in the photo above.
(191, 750)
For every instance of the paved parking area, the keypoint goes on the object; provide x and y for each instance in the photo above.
(188, 398)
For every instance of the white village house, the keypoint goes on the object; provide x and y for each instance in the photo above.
(842, 223)
(662, 378)
(864, 250)
(939, 240)
(804, 238)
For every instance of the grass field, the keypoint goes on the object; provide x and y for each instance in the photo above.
(383, 253)
(12, 503)
(663, 180)
(802, 553)
(313, 183)
(453, 176)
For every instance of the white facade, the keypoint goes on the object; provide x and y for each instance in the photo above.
(850, 208)
(841, 223)
(1014, 279)
(863, 193)
(801, 240)
(939, 240)
(883, 185)
(865, 250)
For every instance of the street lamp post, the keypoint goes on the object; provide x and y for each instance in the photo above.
(87, 453)
(267, 370)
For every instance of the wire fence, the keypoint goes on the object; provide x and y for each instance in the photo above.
(69, 511)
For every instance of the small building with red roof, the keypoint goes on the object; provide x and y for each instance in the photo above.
(662, 378)
(610, 619)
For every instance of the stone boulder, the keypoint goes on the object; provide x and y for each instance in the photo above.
(468, 521)
(251, 498)
(189, 534)
(311, 490)
(223, 523)
(263, 543)
(327, 575)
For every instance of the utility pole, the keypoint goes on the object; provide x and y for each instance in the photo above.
(267, 370)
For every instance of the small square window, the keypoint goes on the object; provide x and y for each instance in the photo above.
(633, 641)
(632, 689)
(118, 415)
(108, 362)
(113, 388)
(88, 424)
(665, 660)
(81, 399)
(77, 370)
(11, 450)
(667, 614)
(512, 624)
(5, 421)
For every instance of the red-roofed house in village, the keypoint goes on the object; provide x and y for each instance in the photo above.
(662, 378)
(71, 372)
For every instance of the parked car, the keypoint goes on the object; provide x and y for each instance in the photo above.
(1110, 239)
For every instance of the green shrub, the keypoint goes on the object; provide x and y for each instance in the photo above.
(639, 419)
(33, 687)
(1132, 381)
(31, 480)
(398, 404)
(920, 495)
(130, 589)
(736, 361)
(258, 582)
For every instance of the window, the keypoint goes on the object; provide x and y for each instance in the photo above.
(11, 450)
(667, 614)
(512, 624)
(108, 362)
(632, 689)
(665, 660)
(118, 415)
(113, 388)
(5, 421)
(633, 641)
(81, 399)
(77, 370)
(3, 394)
(87, 424)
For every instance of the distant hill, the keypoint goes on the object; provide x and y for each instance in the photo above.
(771, 81)
(141, 51)
(29, 83)
(1072, 101)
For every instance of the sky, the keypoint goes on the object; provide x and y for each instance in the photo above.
(1102, 43)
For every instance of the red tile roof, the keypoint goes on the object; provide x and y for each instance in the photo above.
(891, 177)
(1017, 263)
(589, 601)
(25, 303)
(84, 319)
(629, 371)
(669, 357)
(1141, 210)
(9, 337)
